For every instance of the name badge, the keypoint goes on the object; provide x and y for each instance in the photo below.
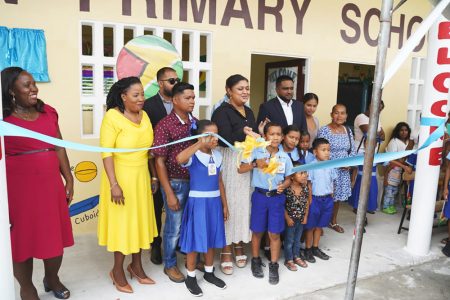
(212, 170)
(281, 168)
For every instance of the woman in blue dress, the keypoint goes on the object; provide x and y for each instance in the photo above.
(202, 227)
(342, 145)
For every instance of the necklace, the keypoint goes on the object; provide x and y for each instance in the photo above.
(24, 116)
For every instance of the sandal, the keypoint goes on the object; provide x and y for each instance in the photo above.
(444, 241)
(290, 265)
(336, 227)
(64, 293)
(300, 262)
(240, 260)
(226, 266)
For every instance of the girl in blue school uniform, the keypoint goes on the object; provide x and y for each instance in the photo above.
(291, 138)
(268, 200)
(305, 153)
(202, 227)
(373, 192)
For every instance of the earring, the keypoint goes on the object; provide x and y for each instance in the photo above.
(14, 99)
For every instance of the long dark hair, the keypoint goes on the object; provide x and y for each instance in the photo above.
(398, 127)
(310, 96)
(9, 78)
(114, 98)
(233, 80)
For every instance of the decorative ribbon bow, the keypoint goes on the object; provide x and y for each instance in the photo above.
(271, 169)
(251, 143)
(246, 147)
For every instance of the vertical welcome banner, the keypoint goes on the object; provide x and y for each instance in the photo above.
(436, 97)
(6, 273)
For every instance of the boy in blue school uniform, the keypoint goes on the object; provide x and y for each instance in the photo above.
(321, 209)
(268, 200)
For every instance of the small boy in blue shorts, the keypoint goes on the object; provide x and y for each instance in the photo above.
(321, 209)
(268, 200)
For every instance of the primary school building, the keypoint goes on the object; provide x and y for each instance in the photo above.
(328, 47)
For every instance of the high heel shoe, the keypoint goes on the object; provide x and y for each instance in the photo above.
(124, 289)
(145, 280)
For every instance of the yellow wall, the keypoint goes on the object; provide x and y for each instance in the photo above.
(320, 43)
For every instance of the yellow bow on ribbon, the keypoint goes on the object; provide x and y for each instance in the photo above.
(251, 143)
(246, 147)
(271, 169)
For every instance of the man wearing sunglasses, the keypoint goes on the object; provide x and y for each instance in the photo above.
(157, 107)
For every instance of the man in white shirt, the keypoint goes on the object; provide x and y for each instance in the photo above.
(361, 126)
(283, 109)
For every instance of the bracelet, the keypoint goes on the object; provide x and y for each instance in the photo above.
(114, 184)
(155, 178)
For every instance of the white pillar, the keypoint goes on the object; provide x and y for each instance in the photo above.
(6, 272)
(436, 94)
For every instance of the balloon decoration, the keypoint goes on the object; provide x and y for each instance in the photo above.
(143, 56)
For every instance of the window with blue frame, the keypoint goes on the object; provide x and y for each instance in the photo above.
(25, 48)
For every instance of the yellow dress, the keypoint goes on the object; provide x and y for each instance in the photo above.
(130, 227)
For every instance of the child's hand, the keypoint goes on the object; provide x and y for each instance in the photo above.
(289, 221)
(305, 219)
(261, 163)
(206, 140)
(226, 213)
(280, 188)
(408, 169)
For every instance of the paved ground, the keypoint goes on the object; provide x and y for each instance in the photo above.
(427, 281)
(86, 266)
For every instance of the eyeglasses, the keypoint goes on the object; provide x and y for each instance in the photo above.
(172, 81)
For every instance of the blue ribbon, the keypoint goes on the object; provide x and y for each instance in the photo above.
(380, 157)
(8, 129)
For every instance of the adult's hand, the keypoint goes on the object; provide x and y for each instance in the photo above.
(262, 124)
(117, 195)
(172, 202)
(155, 185)
(69, 192)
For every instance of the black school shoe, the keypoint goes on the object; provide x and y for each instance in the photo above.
(192, 286)
(309, 257)
(211, 278)
(446, 249)
(274, 278)
(257, 265)
(319, 253)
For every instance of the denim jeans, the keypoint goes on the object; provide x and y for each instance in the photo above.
(292, 237)
(390, 192)
(173, 222)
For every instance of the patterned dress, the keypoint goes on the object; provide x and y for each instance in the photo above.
(340, 145)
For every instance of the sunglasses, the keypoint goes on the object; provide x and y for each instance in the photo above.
(172, 81)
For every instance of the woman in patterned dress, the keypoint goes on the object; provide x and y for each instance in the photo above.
(342, 146)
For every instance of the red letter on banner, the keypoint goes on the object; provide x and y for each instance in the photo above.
(442, 57)
(438, 82)
(436, 108)
(435, 156)
(444, 31)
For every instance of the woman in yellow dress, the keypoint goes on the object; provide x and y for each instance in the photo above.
(126, 218)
